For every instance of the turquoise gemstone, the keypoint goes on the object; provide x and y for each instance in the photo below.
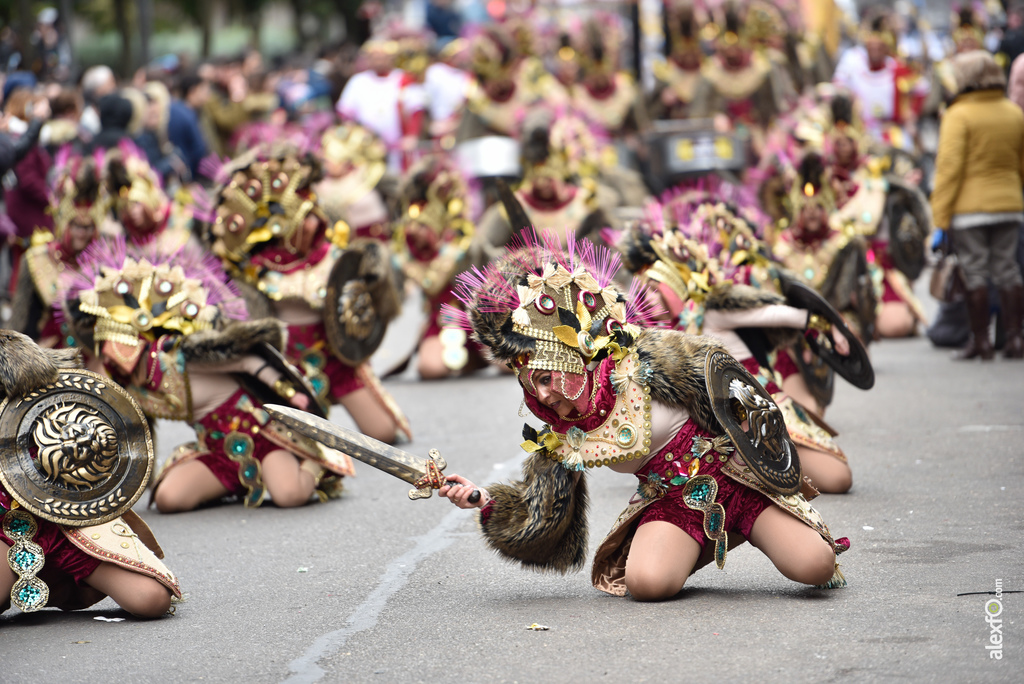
(250, 472)
(29, 595)
(20, 526)
(24, 559)
(238, 447)
(715, 521)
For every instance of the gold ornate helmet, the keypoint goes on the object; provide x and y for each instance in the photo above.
(493, 54)
(878, 25)
(129, 179)
(811, 187)
(267, 197)
(544, 308)
(436, 195)
(78, 194)
(142, 293)
(969, 33)
(352, 145)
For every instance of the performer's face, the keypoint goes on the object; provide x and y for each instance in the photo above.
(877, 52)
(812, 221)
(549, 396)
(80, 234)
(422, 237)
(846, 150)
(379, 61)
(139, 218)
(337, 168)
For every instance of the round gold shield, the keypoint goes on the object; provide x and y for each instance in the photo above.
(76, 452)
(764, 444)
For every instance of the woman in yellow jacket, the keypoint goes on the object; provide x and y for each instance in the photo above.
(978, 196)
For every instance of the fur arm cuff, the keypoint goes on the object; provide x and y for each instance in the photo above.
(235, 341)
(676, 364)
(541, 520)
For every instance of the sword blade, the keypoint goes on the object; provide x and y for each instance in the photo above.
(382, 456)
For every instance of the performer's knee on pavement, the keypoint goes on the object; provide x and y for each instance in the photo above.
(816, 565)
(648, 585)
(151, 600)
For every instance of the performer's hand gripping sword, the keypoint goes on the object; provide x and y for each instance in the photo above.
(424, 475)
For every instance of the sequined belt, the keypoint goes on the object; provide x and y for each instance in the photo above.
(697, 492)
(26, 559)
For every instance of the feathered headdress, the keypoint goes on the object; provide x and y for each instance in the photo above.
(436, 194)
(129, 178)
(543, 307)
(140, 293)
(811, 186)
(267, 197)
(78, 193)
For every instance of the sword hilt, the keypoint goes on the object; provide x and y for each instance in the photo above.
(434, 478)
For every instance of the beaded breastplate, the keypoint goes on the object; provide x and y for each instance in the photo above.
(683, 82)
(612, 111)
(625, 434)
(45, 271)
(503, 117)
(863, 212)
(738, 84)
(308, 284)
(559, 220)
(811, 263)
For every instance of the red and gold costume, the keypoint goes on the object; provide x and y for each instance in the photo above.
(639, 407)
(432, 240)
(700, 252)
(54, 548)
(150, 317)
(354, 189)
(79, 197)
(271, 232)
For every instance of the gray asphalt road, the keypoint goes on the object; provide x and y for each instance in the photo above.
(377, 588)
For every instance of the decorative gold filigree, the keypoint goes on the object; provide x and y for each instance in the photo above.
(357, 310)
(77, 446)
(767, 426)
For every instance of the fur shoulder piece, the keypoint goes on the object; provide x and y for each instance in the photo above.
(236, 340)
(733, 297)
(676, 378)
(257, 304)
(24, 366)
(541, 520)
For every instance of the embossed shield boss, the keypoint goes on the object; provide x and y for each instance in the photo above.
(765, 445)
(855, 367)
(819, 376)
(354, 327)
(76, 452)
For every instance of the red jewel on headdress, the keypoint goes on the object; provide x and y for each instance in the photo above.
(545, 304)
(588, 299)
(612, 326)
(236, 223)
(164, 287)
(253, 189)
(280, 180)
(190, 309)
(123, 287)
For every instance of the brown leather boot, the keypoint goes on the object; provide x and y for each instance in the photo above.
(1012, 301)
(978, 344)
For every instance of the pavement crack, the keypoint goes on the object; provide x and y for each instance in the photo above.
(306, 669)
